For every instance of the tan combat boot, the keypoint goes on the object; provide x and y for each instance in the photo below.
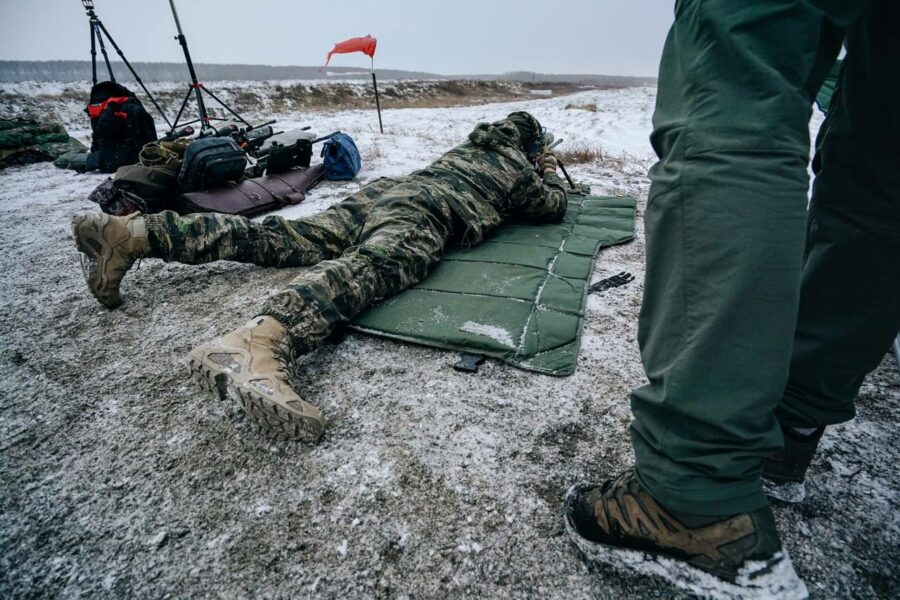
(109, 245)
(247, 366)
(735, 558)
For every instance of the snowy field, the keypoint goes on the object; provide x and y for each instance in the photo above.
(119, 479)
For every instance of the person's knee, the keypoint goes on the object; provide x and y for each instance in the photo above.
(401, 202)
(396, 212)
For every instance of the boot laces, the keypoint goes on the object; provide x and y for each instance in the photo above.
(285, 355)
(619, 482)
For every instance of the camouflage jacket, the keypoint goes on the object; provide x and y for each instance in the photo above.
(494, 180)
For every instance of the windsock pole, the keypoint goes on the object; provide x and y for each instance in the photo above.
(377, 100)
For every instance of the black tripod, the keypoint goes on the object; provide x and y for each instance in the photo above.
(196, 88)
(98, 30)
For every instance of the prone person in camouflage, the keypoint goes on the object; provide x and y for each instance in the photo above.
(373, 244)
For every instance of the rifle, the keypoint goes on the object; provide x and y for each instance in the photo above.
(546, 143)
(173, 135)
(249, 139)
(562, 168)
(279, 157)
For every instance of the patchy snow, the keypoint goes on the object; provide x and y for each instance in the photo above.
(498, 334)
(105, 445)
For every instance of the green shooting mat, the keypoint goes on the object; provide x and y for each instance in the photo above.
(519, 296)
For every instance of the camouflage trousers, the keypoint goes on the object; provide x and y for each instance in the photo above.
(374, 244)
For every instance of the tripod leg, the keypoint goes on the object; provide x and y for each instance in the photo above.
(181, 110)
(134, 73)
(226, 107)
(204, 116)
(93, 54)
(112, 77)
(196, 86)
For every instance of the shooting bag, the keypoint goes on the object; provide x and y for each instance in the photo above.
(120, 124)
(342, 160)
(210, 162)
(157, 185)
(138, 188)
(254, 196)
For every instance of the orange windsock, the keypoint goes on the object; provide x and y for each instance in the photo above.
(366, 45)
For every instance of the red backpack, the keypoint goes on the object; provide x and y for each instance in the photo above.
(120, 124)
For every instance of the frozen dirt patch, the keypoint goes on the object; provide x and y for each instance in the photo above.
(118, 479)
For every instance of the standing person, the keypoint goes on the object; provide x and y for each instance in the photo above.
(375, 243)
(750, 340)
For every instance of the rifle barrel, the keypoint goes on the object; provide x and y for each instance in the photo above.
(562, 168)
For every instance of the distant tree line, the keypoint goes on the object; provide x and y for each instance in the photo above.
(80, 70)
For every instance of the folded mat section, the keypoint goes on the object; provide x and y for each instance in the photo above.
(519, 296)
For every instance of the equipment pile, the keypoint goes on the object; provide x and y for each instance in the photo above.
(23, 141)
(242, 171)
(231, 168)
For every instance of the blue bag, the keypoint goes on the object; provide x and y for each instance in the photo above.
(342, 160)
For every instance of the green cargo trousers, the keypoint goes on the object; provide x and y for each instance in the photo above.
(757, 308)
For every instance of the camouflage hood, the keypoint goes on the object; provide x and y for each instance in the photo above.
(517, 130)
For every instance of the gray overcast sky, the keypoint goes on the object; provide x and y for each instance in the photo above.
(448, 37)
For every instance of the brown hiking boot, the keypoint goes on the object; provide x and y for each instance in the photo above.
(784, 473)
(620, 524)
(247, 365)
(109, 246)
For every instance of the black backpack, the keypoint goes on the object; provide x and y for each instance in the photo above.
(209, 162)
(120, 124)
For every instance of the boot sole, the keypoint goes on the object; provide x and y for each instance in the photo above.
(758, 580)
(271, 418)
(88, 234)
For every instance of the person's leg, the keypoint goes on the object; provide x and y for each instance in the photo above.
(725, 238)
(404, 236)
(725, 235)
(111, 245)
(275, 242)
(850, 293)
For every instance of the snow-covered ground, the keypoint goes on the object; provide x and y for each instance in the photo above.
(119, 479)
